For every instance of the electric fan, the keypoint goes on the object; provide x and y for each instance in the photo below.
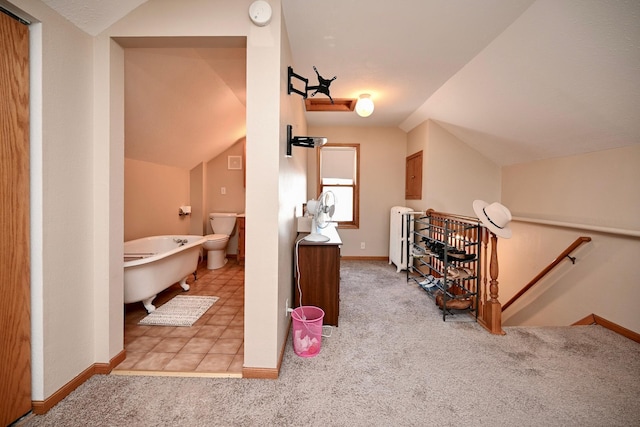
(322, 211)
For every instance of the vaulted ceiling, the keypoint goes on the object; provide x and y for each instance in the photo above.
(185, 98)
(518, 80)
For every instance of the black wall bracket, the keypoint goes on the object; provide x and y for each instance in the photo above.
(292, 88)
(322, 87)
(302, 141)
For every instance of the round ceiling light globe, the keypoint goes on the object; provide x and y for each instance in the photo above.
(364, 106)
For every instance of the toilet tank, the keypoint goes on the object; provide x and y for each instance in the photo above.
(222, 222)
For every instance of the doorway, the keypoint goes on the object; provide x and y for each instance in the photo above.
(179, 93)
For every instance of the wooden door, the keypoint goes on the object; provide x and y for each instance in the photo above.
(15, 337)
(413, 178)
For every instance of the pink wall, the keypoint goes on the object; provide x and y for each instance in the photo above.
(152, 196)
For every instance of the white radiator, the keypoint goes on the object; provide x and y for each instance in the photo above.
(398, 237)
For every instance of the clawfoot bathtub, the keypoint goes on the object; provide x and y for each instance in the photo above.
(152, 264)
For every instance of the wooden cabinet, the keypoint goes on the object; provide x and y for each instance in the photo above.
(319, 275)
(240, 224)
(413, 178)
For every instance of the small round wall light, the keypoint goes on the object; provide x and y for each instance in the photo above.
(364, 106)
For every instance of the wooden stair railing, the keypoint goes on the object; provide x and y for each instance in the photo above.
(565, 254)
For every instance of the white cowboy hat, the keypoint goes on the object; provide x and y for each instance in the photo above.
(494, 216)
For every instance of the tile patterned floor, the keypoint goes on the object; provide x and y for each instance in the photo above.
(213, 346)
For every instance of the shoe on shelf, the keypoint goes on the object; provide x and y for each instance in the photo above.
(468, 271)
(458, 304)
(425, 282)
(459, 272)
(454, 273)
(458, 257)
(439, 296)
(429, 282)
(453, 303)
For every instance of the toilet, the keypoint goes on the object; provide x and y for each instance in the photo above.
(223, 225)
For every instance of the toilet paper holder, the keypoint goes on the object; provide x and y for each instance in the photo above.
(184, 210)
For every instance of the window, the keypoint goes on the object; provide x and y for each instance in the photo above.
(339, 172)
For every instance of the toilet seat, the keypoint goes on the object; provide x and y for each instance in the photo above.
(216, 237)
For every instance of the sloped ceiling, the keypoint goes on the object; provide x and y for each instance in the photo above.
(184, 102)
(400, 52)
(563, 79)
(93, 16)
(518, 80)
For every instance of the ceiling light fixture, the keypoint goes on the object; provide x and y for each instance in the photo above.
(364, 106)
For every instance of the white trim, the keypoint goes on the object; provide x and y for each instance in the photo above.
(36, 201)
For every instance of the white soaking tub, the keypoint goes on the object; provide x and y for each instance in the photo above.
(152, 264)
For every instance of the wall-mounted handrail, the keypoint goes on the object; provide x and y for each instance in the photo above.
(588, 227)
(565, 254)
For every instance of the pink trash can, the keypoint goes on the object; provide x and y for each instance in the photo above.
(307, 330)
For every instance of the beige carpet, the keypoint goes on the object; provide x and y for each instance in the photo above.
(392, 362)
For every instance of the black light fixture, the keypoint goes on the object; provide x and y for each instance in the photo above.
(322, 87)
(303, 141)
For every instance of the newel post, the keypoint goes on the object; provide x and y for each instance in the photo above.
(493, 308)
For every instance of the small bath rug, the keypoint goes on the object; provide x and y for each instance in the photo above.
(182, 310)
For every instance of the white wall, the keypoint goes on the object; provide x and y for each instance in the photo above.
(454, 174)
(61, 200)
(292, 188)
(593, 189)
(382, 160)
(261, 271)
